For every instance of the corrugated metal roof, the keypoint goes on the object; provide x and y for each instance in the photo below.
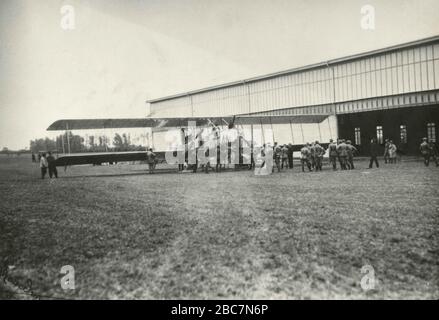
(416, 43)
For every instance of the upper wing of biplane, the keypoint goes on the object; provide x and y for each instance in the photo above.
(82, 124)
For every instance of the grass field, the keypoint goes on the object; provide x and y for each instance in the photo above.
(231, 235)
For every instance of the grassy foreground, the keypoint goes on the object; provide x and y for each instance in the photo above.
(229, 235)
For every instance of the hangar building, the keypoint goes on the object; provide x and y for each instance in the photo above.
(388, 93)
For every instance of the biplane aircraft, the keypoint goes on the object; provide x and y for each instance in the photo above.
(232, 128)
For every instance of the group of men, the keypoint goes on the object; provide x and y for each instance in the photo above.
(48, 163)
(390, 151)
(428, 149)
(343, 151)
(311, 155)
(283, 156)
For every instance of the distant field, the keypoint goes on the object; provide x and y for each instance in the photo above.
(230, 235)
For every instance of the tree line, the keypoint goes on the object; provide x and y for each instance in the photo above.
(77, 143)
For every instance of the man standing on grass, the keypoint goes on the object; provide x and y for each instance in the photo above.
(290, 156)
(52, 166)
(392, 152)
(304, 159)
(342, 151)
(43, 165)
(338, 153)
(276, 156)
(425, 151)
(150, 158)
(351, 151)
(205, 163)
(312, 155)
(386, 151)
(374, 149)
(434, 151)
(318, 156)
(333, 154)
(284, 156)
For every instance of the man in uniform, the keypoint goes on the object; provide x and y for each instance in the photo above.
(386, 151)
(338, 154)
(150, 158)
(305, 155)
(318, 155)
(425, 151)
(434, 152)
(52, 165)
(43, 165)
(351, 151)
(205, 164)
(333, 153)
(392, 152)
(342, 151)
(312, 152)
(284, 156)
(374, 149)
(290, 156)
(277, 155)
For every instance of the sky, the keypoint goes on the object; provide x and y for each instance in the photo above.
(121, 53)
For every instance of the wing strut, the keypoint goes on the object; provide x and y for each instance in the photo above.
(292, 135)
(263, 134)
(272, 131)
(329, 126)
(320, 133)
(303, 137)
(68, 138)
(62, 142)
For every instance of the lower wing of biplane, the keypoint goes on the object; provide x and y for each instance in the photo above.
(184, 122)
(98, 158)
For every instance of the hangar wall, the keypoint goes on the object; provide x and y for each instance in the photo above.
(402, 76)
(394, 71)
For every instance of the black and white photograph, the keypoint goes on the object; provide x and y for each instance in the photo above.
(219, 150)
